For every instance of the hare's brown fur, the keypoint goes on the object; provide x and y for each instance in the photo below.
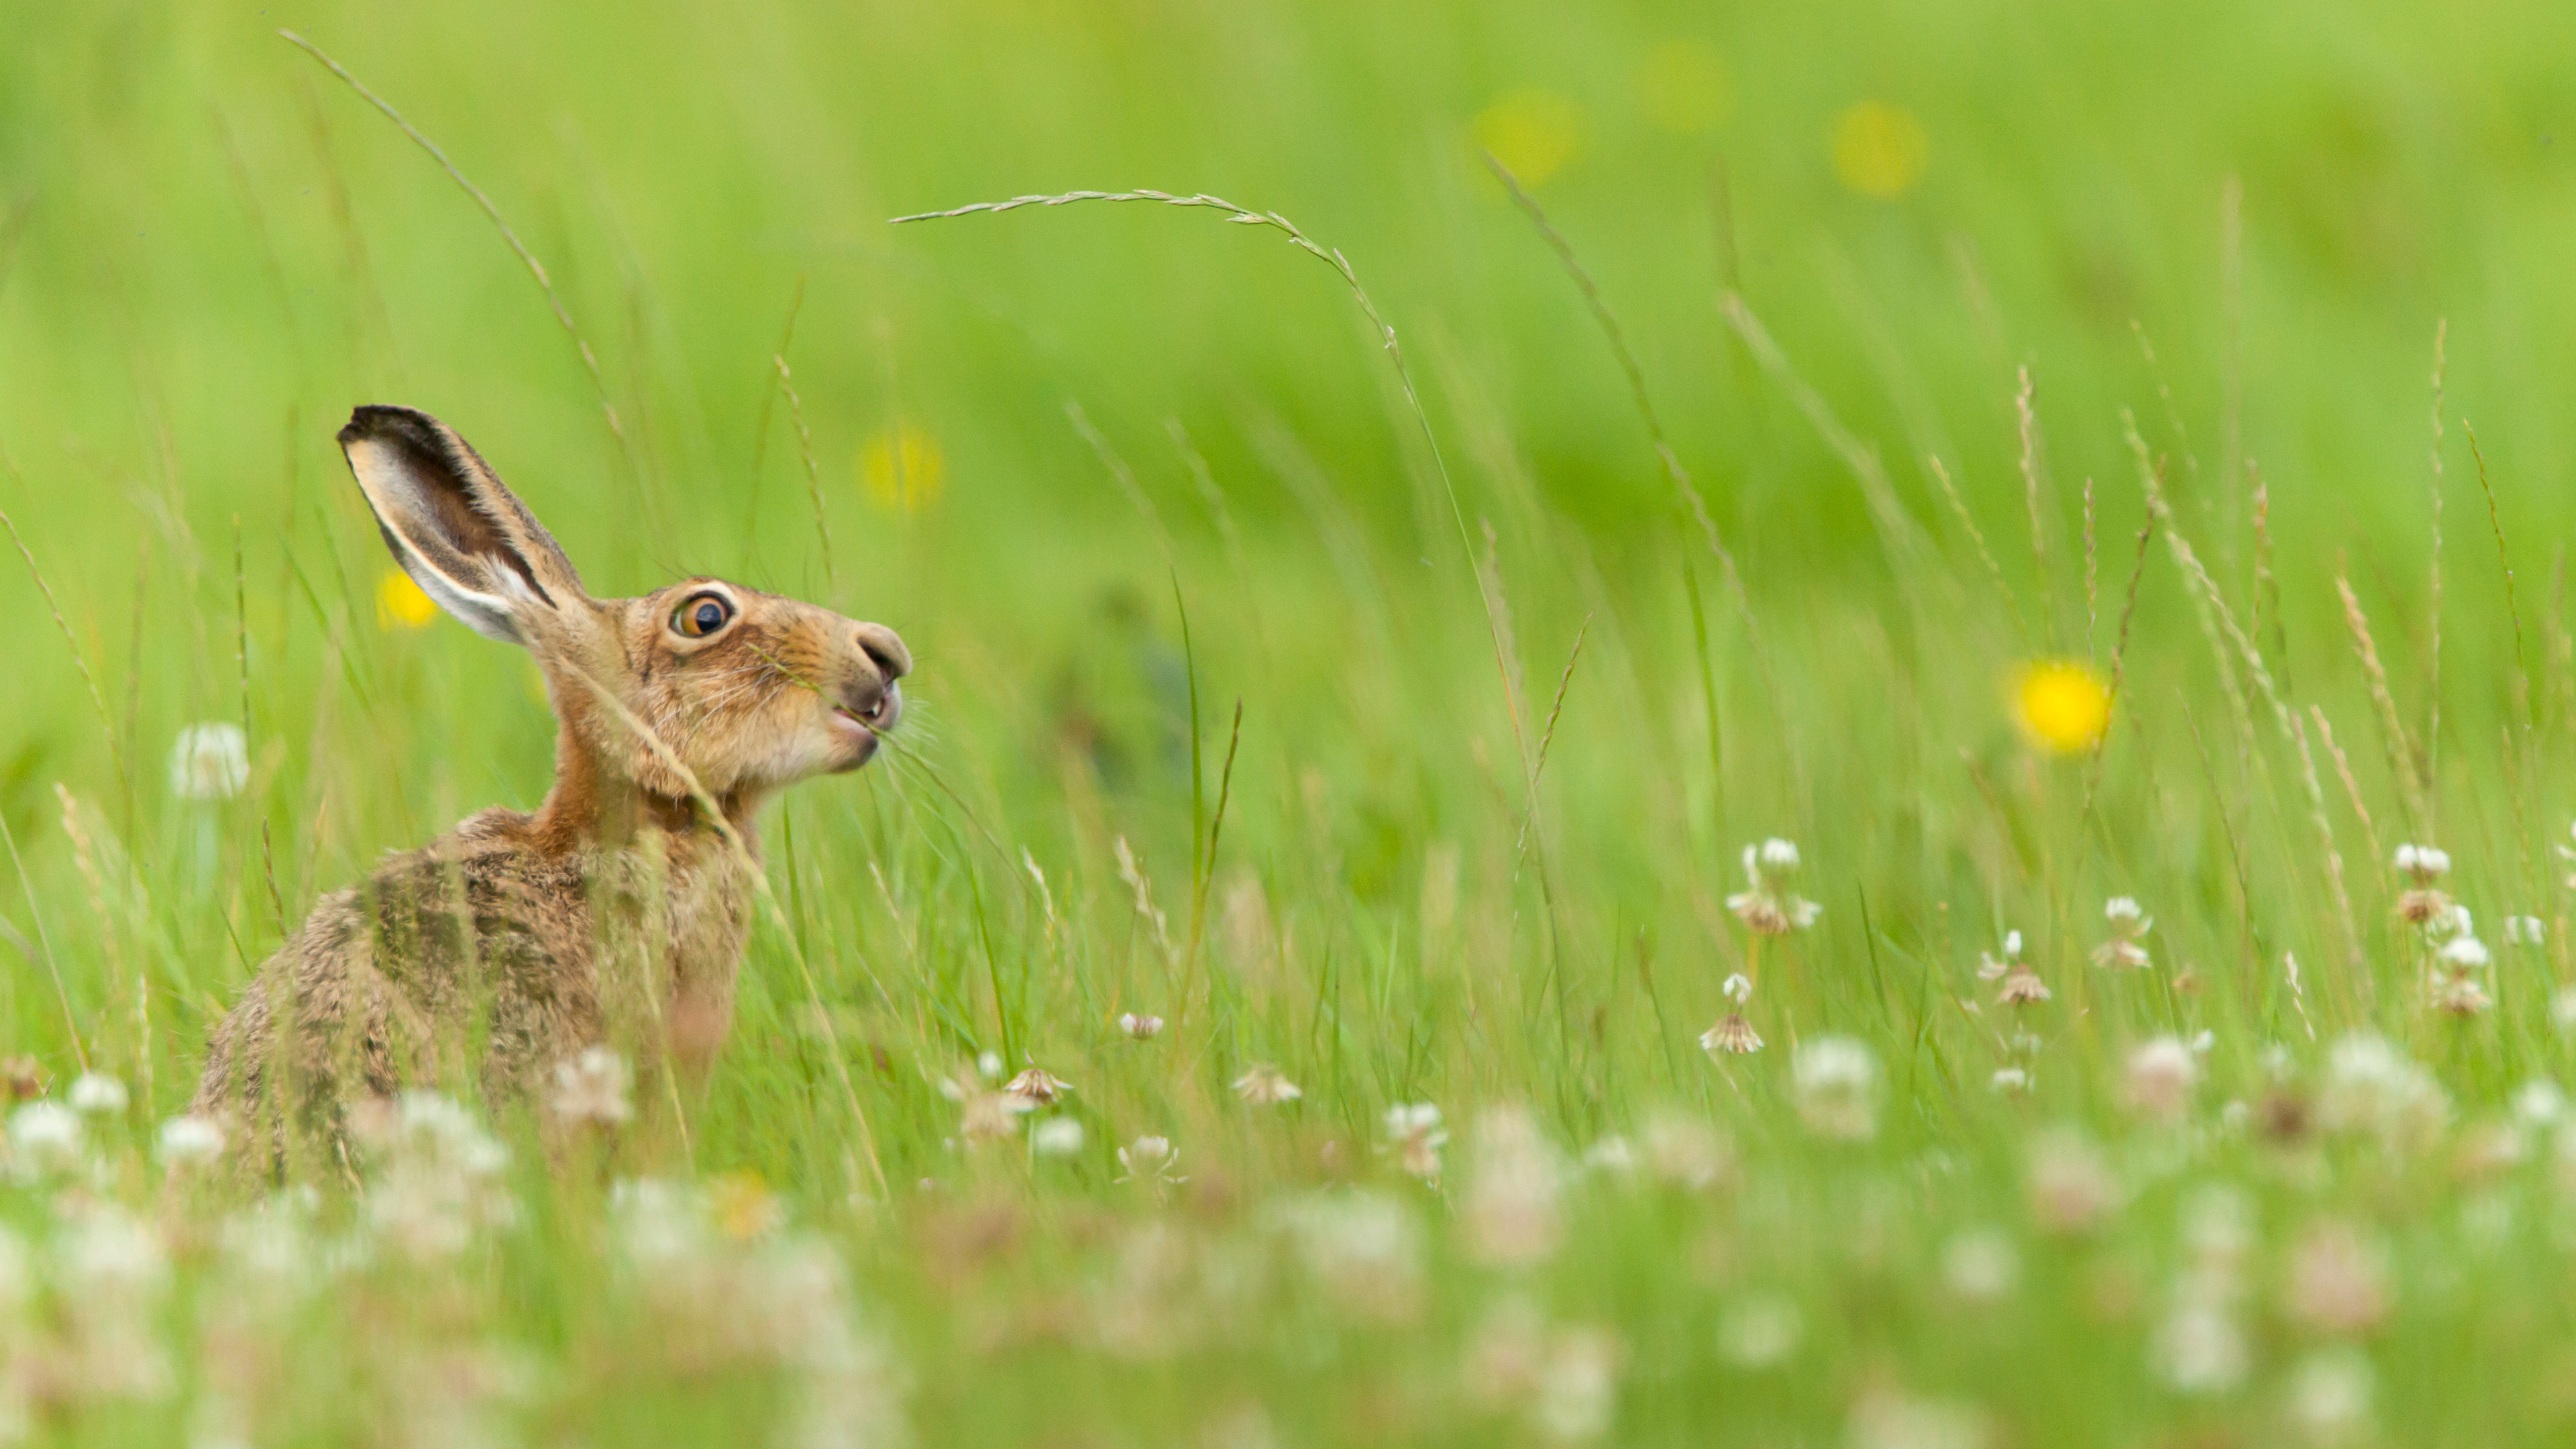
(617, 911)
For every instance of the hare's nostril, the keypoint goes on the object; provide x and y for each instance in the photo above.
(885, 650)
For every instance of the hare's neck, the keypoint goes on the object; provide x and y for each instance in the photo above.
(593, 807)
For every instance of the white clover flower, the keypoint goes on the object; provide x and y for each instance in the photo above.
(2010, 1081)
(440, 1179)
(1414, 1134)
(109, 1247)
(2330, 1396)
(2160, 1076)
(1576, 1395)
(1515, 1182)
(1834, 1080)
(1769, 907)
(1056, 1137)
(1140, 1027)
(1612, 1154)
(1264, 1086)
(1993, 968)
(1981, 1266)
(1362, 1247)
(2129, 925)
(1732, 1036)
(1684, 1152)
(2338, 1280)
(2423, 862)
(2201, 1349)
(1760, 1331)
(188, 1141)
(1149, 1160)
(45, 1137)
(2525, 930)
(2539, 1103)
(1035, 1088)
(989, 1065)
(1737, 988)
(592, 1088)
(97, 1094)
(983, 1114)
(2372, 1087)
(2071, 1188)
(1886, 1417)
(209, 761)
(658, 1223)
(2466, 951)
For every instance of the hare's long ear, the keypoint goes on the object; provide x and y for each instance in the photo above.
(463, 537)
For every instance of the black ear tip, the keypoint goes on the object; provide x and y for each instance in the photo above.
(377, 421)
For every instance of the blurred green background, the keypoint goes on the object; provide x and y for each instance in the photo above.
(213, 247)
(209, 233)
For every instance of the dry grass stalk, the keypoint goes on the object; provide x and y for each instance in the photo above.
(1547, 737)
(1498, 608)
(2157, 509)
(1683, 487)
(2267, 588)
(1976, 536)
(2326, 837)
(1896, 530)
(1329, 256)
(2504, 563)
(813, 474)
(2119, 664)
(2092, 574)
(2027, 414)
(1119, 473)
(536, 269)
(2392, 726)
(111, 935)
(44, 943)
(2351, 786)
(1685, 491)
(2214, 611)
(98, 701)
(2433, 609)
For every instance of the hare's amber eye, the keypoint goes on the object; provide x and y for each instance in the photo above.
(702, 615)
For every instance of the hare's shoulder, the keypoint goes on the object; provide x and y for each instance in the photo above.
(479, 893)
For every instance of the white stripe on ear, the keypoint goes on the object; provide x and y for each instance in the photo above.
(462, 535)
(410, 505)
(485, 614)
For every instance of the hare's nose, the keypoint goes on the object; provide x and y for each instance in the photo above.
(884, 648)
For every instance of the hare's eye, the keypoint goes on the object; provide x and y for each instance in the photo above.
(702, 615)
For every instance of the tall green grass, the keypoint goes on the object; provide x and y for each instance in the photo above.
(1396, 728)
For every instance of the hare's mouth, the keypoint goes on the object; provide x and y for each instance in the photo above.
(866, 724)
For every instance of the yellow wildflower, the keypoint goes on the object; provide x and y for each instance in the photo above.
(400, 604)
(903, 468)
(742, 1205)
(2061, 705)
(1534, 133)
(1880, 149)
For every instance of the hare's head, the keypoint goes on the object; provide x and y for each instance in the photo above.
(741, 690)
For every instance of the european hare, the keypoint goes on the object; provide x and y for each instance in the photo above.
(617, 912)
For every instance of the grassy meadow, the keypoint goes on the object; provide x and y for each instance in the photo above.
(2088, 482)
